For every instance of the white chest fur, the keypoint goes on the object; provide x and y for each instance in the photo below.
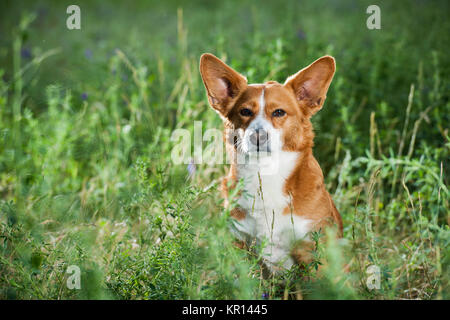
(264, 200)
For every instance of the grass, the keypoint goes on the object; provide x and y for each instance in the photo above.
(86, 176)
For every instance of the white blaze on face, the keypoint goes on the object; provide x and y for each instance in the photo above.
(262, 123)
(262, 104)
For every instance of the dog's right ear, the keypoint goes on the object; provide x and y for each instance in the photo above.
(222, 83)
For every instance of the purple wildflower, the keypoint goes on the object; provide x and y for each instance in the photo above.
(300, 34)
(191, 168)
(88, 54)
(26, 53)
(84, 96)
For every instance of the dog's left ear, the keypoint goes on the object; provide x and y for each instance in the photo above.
(310, 85)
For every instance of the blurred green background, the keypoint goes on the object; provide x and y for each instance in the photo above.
(86, 176)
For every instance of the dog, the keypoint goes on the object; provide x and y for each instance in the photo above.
(269, 139)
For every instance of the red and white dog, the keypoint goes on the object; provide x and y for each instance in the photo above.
(269, 138)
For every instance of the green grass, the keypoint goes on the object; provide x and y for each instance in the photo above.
(86, 176)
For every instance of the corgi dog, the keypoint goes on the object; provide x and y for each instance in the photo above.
(269, 140)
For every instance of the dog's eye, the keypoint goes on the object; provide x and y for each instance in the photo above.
(278, 113)
(246, 112)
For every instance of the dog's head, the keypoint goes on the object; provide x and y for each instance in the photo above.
(269, 117)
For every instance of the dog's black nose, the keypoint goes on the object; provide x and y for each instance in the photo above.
(259, 137)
